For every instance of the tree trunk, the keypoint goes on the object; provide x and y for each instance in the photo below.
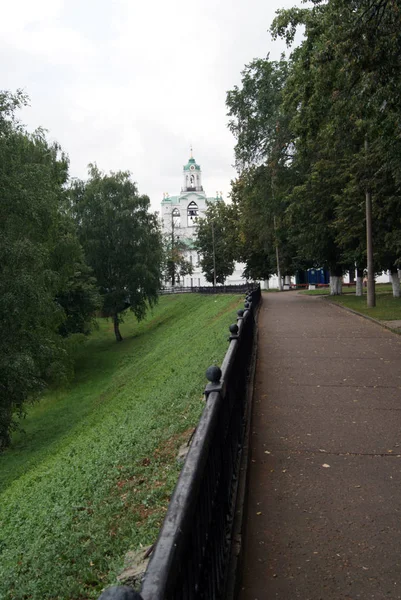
(280, 281)
(5, 427)
(352, 275)
(395, 282)
(336, 285)
(117, 333)
(359, 282)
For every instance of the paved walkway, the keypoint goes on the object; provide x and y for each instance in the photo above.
(324, 505)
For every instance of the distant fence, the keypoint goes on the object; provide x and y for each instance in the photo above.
(208, 289)
(191, 557)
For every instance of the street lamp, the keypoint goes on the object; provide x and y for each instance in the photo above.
(214, 257)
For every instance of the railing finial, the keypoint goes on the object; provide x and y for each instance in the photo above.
(233, 331)
(213, 374)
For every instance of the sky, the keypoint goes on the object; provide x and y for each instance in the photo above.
(131, 85)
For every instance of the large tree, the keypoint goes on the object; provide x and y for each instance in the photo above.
(33, 174)
(301, 128)
(345, 93)
(264, 158)
(121, 240)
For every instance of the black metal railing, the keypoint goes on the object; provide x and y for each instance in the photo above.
(191, 556)
(207, 289)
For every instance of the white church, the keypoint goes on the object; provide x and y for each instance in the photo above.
(179, 216)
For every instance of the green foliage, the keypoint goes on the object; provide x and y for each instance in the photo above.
(261, 204)
(340, 87)
(32, 175)
(76, 291)
(216, 240)
(45, 286)
(74, 501)
(256, 121)
(121, 240)
(264, 156)
(175, 247)
(344, 88)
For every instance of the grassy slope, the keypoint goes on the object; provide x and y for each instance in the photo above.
(92, 475)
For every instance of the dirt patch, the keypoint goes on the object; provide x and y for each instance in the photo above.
(165, 454)
(168, 449)
(142, 513)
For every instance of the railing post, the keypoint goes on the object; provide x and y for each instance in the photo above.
(234, 332)
(213, 374)
(191, 557)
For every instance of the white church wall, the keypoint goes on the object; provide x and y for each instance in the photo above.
(186, 229)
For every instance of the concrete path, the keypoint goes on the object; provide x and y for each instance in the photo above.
(324, 497)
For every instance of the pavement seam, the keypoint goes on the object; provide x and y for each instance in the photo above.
(329, 453)
(340, 386)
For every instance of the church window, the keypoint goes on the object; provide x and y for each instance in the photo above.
(192, 213)
(175, 215)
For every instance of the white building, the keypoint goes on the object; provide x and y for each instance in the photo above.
(179, 215)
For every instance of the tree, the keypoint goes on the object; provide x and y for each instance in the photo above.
(345, 87)
(266, 238)
(175, 247)
(121, 240)
(32, 179)
(75, 287)
(256, 119)
(264, 157)
(216, 240)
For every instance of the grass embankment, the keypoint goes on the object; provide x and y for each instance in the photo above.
(92, 475)
(387, 307)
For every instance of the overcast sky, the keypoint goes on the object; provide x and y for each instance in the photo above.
(131, 84)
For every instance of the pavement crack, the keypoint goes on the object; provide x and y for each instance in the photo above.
(342, 385)
(331, 453)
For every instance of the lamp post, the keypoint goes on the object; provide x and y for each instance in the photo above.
(214, 257)
(173, 243)
(371, 296)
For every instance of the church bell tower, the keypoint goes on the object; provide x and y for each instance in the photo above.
(192, 176)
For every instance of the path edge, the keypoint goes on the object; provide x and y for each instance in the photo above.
(235, 564)
(355, 312)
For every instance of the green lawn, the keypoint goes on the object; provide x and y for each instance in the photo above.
(387, 308)
(381, 288)
(92, 475)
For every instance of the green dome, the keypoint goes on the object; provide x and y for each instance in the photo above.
(191, 162)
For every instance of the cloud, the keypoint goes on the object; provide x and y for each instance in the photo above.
(130, 85)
